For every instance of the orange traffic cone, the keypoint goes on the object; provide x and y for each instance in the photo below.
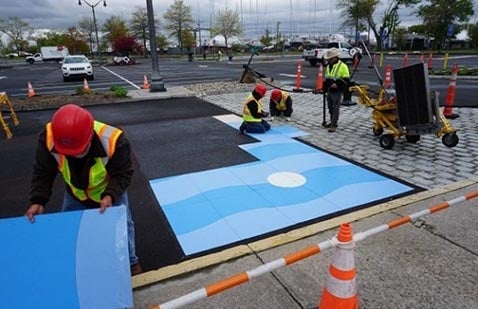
(430, 59)
(319, 85)
(31, 92)
(86, 87)
(298, 77)
(450, 97)
(405, 60)
(145, 83)
(372, 63)
(388, 76)
(340, 290)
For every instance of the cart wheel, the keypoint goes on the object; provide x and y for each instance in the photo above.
(387, 141)
(412, 138)
(450, 139)
(377, 131)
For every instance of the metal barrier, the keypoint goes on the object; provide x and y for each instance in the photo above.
(243, 277)
(5, 100)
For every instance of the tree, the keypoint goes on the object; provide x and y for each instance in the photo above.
(363, 10)
(115, 27)
(75, 41)
(266, 39)
(139, 25)
(438, 15)
(87, 26)
(15, 29)
(356, 13)
(126, 45)
(227, 24)
(51, 39)
(178, 18)
(162, 42)
(473, 34)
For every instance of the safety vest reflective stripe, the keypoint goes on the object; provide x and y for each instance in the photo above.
(338, 71)
(246, 113)
(98, 176)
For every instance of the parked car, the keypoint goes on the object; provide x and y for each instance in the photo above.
(77, 66)
(123, 60)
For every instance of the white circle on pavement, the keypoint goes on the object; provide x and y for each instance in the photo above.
(286, 179)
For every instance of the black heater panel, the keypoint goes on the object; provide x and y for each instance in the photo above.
(413, 95)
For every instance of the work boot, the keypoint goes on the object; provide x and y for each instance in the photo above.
(136, 269)
(328, 125)
(332, 129)
(242, 128)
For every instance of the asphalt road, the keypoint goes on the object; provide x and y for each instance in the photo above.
(46, 78)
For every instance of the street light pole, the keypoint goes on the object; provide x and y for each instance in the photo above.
(92, 6)
(157, 83)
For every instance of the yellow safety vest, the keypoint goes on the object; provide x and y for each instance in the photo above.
(339, 71)
(280, 106)
(246, 113)
(98, 176)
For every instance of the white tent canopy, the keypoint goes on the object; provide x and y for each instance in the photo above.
(219, 41)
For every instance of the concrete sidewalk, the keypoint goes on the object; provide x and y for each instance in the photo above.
(428, 264)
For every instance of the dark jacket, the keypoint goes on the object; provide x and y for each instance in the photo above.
(253, 108)
(45, 169)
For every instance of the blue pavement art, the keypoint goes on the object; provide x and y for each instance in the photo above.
(76, 259)
(291, 183)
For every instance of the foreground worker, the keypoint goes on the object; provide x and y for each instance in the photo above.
(280, 104)
(336, 78)
(95, 162)
(253, 114)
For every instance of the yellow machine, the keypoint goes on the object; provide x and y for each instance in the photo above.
(386, 119)
(4, 100)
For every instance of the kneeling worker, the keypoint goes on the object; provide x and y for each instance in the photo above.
(252, 113)
(280, 104)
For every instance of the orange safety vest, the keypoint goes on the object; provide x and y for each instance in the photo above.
(246, 113)
(98, 176)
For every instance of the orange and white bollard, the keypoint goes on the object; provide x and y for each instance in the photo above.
(388, 77)
(450, 97)
(340, 290)
(298, 77)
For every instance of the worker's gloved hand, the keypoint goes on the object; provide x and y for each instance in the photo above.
(35, 209)
(265, 114)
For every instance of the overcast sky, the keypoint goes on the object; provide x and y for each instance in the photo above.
(302, 17)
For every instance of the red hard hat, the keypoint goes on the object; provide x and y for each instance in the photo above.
(72, 128)
(276, 95)
(261, 90)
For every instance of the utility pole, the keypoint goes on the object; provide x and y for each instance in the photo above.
(157, 83)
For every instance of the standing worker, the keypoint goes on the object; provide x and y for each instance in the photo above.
(336, 78)
(280, 104)
(95, 162)
(252, 112)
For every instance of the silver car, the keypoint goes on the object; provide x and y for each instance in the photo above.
(77, 66)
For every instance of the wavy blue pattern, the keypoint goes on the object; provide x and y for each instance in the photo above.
(216, 207)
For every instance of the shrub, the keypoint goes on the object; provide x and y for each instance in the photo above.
(119, 91)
